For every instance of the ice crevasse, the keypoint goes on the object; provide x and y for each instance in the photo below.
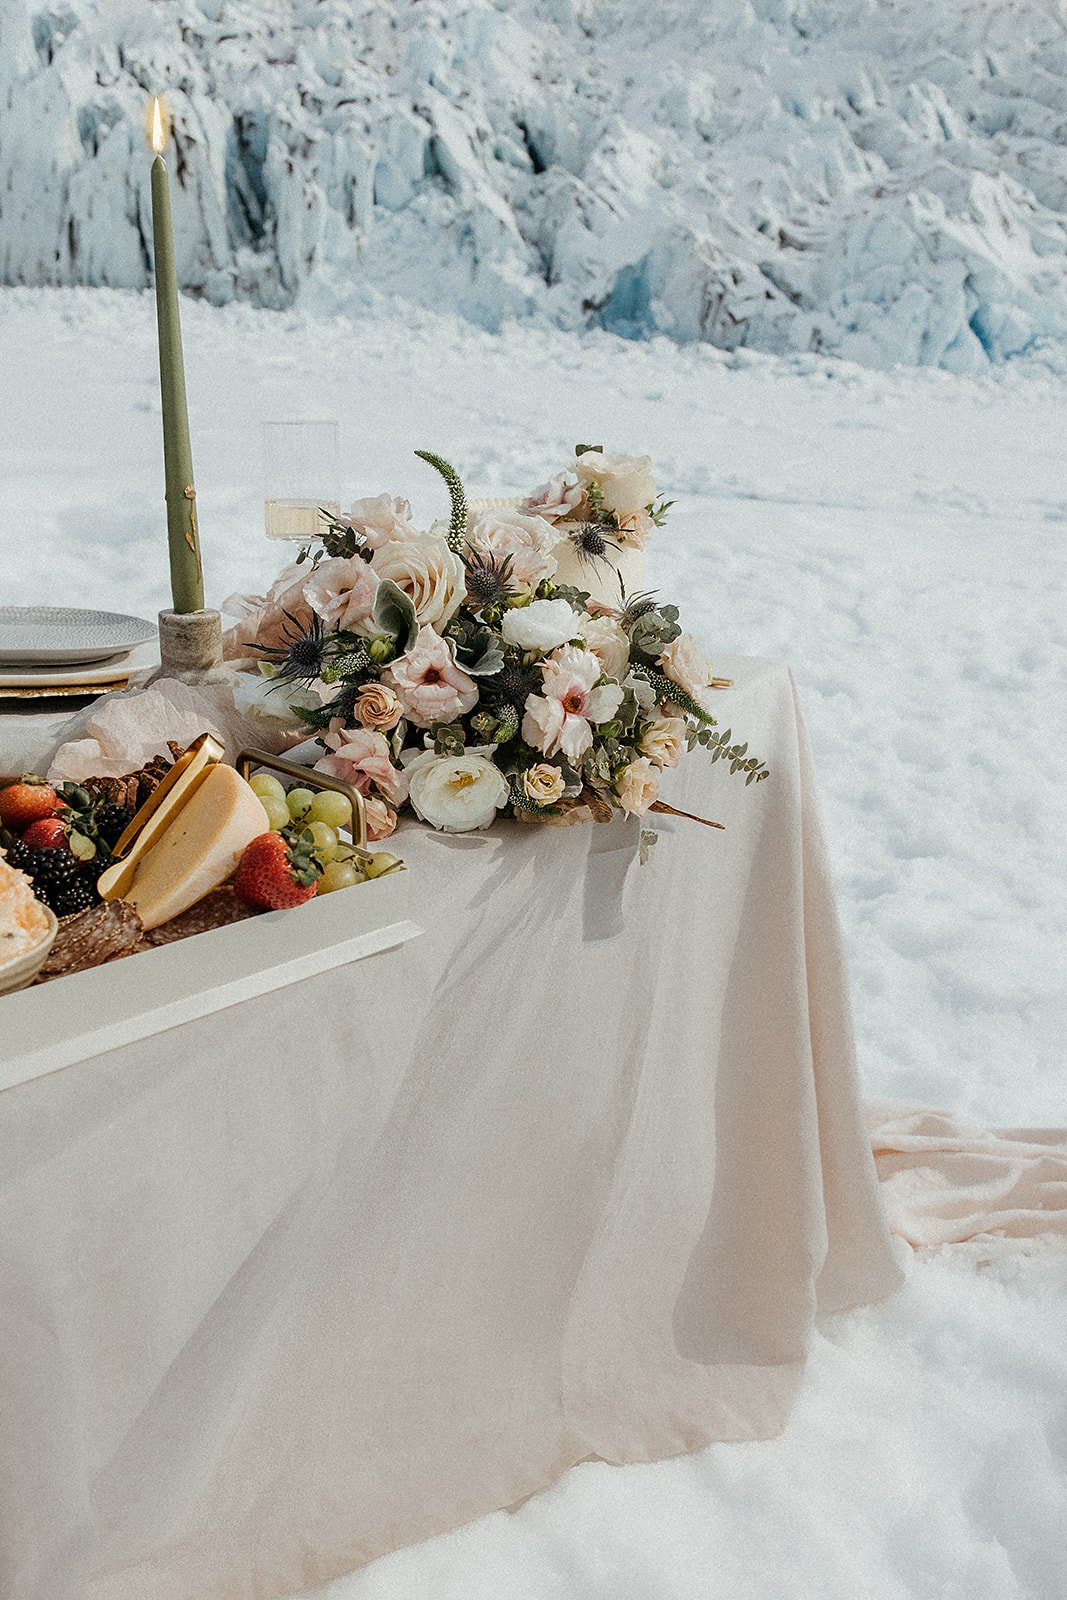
(884, 183)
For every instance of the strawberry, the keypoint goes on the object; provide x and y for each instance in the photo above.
(278, 870)
(47, 833)
(27, 801)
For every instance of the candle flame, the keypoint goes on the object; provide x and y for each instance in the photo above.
(160, 126)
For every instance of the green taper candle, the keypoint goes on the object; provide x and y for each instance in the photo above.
(186, 572)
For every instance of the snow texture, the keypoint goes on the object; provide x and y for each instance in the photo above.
(898, 538)
(884, 180)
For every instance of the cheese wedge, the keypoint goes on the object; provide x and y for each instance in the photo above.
(199, 849)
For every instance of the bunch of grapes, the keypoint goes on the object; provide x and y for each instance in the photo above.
(322, 815)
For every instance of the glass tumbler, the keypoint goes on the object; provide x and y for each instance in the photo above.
(300, 473)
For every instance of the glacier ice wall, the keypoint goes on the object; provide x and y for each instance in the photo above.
(880, 179)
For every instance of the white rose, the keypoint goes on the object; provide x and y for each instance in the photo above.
(543, 626)
(609, 644)
(627, 482)
(664, 741)
(527, 541)
(380, 518)
(428, 571)
(637, 787)
(685, 664)
(558, 498)
(456, 793)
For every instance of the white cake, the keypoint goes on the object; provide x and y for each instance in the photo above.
(600, 578)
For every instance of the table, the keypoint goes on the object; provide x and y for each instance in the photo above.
(567, 1177)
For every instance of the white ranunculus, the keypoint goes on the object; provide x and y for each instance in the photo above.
(456, 794)
(428, 571)
(544, 625)
(627, 482)
(270, 699)
(609, 643)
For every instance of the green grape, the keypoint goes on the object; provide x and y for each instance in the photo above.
(277, 811)
(339, 875)
(325, 839)
(267, 788)
(332, 807)
(381, 862)
(299, 802)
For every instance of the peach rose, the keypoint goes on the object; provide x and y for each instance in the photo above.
(606, 639)
(543, 784)
(558, 498)
(430, 684)
(376, 706)
(626, 482)
(638, 787)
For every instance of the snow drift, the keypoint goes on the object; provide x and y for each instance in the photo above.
(877, 179)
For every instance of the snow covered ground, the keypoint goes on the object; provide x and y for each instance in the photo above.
(883, 179)
(899, 538)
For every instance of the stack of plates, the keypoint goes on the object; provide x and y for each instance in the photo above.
(48, 651)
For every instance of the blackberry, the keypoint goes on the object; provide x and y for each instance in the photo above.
(72, 898)
(51, 868)
(112, 821)
(17, 854)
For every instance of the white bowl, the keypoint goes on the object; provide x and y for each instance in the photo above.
(18, 973)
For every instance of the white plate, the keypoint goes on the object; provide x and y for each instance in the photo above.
(42, 634)
(35, 676)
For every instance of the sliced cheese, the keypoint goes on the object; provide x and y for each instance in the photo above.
(199, 849)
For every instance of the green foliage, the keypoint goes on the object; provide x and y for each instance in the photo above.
(348, 666)
(394, 613)
(449, 738)
(479, 649)
(667, 689)
(457, 528)
(737, 754)
(497, 726)
(336, 540)
(577, 599)
(651, 629)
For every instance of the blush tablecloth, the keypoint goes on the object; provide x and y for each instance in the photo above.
(568, 1177)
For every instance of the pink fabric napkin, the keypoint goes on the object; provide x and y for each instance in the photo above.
(944, 1180)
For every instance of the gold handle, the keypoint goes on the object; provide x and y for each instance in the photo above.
(312, 780)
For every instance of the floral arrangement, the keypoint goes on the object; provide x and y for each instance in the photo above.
(453, 670)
